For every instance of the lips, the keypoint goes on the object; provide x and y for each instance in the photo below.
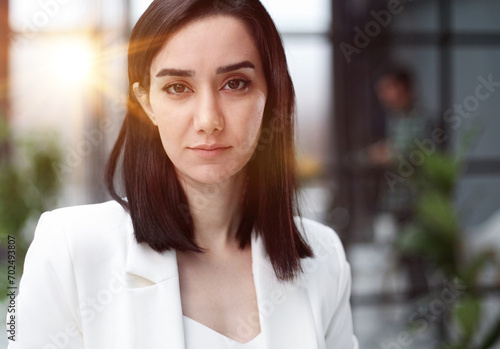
(209, 150)
(209, 146)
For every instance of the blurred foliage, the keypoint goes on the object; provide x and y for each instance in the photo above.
(29, 185)
(435, 233)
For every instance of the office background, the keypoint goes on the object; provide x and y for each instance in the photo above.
(63, 81)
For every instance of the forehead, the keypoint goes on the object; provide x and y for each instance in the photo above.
(203, 43)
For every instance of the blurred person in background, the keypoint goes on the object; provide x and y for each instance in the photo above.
(204, 251)
(406, 124)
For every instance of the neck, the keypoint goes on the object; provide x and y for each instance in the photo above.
(216, 211)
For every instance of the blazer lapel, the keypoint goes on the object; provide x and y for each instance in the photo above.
(285, 315)
(152, 310)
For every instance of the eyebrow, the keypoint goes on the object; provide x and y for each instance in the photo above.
(220, 70)
(174, 72)
(236, 66)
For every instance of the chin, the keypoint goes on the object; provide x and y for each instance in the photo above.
(210, 173)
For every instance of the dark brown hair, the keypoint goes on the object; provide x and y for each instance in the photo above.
(155, 199)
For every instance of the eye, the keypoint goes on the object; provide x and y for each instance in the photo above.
(177, 89)
(236, 84)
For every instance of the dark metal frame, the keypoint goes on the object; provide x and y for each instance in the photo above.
(347, 79)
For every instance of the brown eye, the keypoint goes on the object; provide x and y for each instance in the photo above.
(176, 89)
(233, 84)
(236, 84)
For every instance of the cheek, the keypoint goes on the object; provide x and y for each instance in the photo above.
(253, 121)
(168, 128)
(254, 133)
(172, 134)
(171, 120)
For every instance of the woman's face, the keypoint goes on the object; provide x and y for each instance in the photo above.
(207, 97)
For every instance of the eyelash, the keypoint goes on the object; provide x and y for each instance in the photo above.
(168, 87)
(245, 82)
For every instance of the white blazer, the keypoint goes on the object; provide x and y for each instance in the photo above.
(88, 284)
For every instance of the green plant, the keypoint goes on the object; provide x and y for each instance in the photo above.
(435, 233)
(28, 186)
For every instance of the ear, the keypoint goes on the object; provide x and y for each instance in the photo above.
(143, 97)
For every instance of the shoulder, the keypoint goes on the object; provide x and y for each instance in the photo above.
(104, 213)
(97, 229)
(88, 220)
(321, 238)
(327, 273)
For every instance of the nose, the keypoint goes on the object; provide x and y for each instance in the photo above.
(208, 116)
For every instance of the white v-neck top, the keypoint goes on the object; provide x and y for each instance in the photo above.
(199, 336)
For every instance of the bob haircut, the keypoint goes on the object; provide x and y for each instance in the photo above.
(155, 199)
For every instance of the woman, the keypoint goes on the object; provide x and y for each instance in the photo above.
(204, 252)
